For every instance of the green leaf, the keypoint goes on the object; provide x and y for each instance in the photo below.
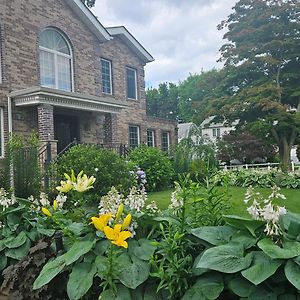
(289, 249)
(207, 287)
(3, 261)
(80, 280)
(142, 248)
(244, 238)
(292, 271)
(259, 293)
(45, 231)
(13, 221)
(15, 242)
(215, 235)
(243, 223)
(226, 258)
(76, 228)
(49, 271)
(134, 273)
(20, 252)
(122, 294)
(78, 249)
(263, 267)
(101, 264)
(2, 245)
(101, 247)
(240, 286)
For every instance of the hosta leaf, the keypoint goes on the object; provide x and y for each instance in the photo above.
(49, 271)
(292, 271)
(207, 287)
(142, 248)
(20, 252)
(215, 235)
(78, 249)
(289, 249)
(244, 238)
(2, 245)
(15, 242)
(122, 294)
(134, 273)
(243, 223)
(262, 268)
(80, 280)
(3, 261)
(227, 258)
(240, 286)
(101, 263)
(259, 293)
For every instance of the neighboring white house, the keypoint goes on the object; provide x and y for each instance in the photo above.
(211, 131)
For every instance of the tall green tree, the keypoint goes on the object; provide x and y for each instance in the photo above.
(263, 50)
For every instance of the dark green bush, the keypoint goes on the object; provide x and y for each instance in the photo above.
(108, 168)
(156, 164)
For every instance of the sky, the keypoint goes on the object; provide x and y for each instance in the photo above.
(181, 35)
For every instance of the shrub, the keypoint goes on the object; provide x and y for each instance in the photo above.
(106, 166)
(156, 164)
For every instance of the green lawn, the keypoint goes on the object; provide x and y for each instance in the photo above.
(236, 196)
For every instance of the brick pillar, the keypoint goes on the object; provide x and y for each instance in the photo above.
(45, 122)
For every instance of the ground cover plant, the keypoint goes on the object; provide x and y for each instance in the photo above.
(127, 247)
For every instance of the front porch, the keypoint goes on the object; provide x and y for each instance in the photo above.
(62, 116)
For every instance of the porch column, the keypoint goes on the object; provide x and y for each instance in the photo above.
(46, 126)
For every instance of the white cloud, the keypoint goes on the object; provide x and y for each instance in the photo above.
(181, 35)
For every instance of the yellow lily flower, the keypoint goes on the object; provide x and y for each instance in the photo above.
(117, 236)
(84, 183)
(55, 205)
(72, 177)
(46, 212)
(65, 186)
(126, 222)
(119, 212)
(101, 221)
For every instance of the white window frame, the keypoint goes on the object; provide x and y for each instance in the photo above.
(168, 140)
(110, 76)
(2, 133)
(135, 83)
(152, 137)
(138, 135)
(56, 54)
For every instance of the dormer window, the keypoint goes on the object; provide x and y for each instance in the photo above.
(56, 60)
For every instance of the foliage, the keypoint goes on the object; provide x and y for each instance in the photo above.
(106, 166)
(163, 102)
(244, 147)
(88, 3)
(155, 163)
(247, 262)
(22, 156)
(195, 155)
(258, 178)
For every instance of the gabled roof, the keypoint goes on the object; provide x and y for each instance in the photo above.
(89, 19)
(131, 42)
(106, 34)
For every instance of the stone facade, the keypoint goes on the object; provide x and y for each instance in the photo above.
(20, 25)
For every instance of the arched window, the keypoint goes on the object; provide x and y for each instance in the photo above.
(56, 60)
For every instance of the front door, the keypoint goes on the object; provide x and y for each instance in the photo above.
(66, 129)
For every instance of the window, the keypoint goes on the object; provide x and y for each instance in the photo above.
(106, 76)
(150, 138)
(56, 61)
(134, 136)
(131, 83)
(165, 142)
(1, 133)
(216, 132)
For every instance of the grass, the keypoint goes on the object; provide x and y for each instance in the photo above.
(236, 196)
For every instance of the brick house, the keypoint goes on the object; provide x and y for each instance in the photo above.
(65, 76)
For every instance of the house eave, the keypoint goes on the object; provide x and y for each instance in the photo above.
(41, 95)
(90, 20)
(131, 42)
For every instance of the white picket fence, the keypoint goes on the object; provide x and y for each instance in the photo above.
(267, 166)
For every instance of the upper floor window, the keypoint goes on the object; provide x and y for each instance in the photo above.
(150, 138)
(165, 141)
(131, 83)
(56, 60)
(134, 136)
(216, 132)
(106, 76)
(1, 133)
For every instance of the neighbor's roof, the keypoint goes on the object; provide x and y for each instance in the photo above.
(106, 34)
